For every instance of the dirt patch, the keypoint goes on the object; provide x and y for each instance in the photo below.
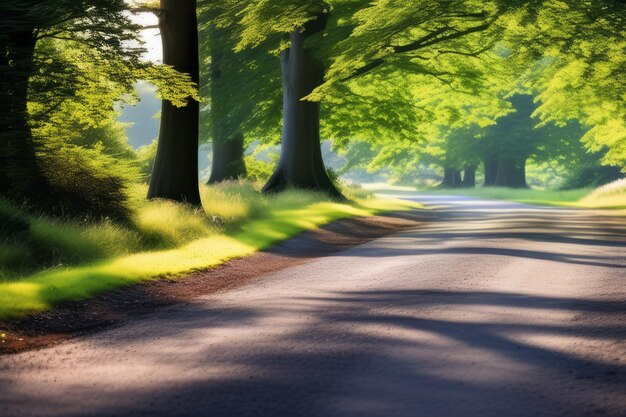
(114, 308)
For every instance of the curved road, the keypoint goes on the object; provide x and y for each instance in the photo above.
(487, 309)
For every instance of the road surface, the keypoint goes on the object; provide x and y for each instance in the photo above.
(488, 309)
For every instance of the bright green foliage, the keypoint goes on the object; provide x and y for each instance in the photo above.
(263, 24)
(82, 150)
(241, 91)
(83, 58)
(258, 170)
(399, 74)
(580, 72)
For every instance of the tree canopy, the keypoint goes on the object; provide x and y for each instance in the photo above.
(459, 86)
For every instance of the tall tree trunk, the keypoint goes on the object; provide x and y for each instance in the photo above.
(228, 162)
(469, 177)
(451, 178)
(511, 173)
(448, 178)
(491, 171)
(300, 164)
(228, 149)
(457, 179)
(20, 176)
(175, 171)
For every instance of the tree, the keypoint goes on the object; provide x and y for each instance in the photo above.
(52, 53)
(337, 41)
(24, 23)
(175, 171)
(518, 137)
(300, 163)
(579, 72)
(240, 91)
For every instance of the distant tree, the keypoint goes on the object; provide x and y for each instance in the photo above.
(518, 137)
(579, 72)
(240, 91)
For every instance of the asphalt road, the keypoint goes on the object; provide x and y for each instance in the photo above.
(488, 309)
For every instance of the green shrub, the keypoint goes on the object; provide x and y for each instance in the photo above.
(13, 223)
(145, 158)
(164, 223)
(260, 171)
(84, 182)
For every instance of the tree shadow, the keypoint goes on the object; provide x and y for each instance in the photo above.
(374, 353)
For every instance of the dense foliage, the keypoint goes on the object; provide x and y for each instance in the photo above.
(514, 93)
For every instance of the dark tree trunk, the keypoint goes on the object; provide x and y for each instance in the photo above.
(175, 171)
(457, 180)
(451, 178)
(491, 171)
(228, 162)
(469, 177)
(20, 176)
(448, 178)
(300, 164)
(511, 173)
(228, 149)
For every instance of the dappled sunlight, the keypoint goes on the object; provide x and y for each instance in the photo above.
(178, 224)
(386, 349)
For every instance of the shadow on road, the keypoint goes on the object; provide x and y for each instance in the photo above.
(394, 352)
(374, 353)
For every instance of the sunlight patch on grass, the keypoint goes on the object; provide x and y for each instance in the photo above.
(284, 216)
(602, 198)
(611, 196)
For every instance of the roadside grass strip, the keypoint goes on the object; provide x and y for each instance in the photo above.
(42, 290)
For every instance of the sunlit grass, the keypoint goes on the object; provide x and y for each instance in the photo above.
(166, 240)
(602, 198)
(527, 196)
(612, 195)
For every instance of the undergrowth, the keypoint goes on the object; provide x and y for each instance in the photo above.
(44, 261)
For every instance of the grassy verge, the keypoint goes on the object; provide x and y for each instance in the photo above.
(582, 198)
(163, 240)
(611, 196)
(568, 198)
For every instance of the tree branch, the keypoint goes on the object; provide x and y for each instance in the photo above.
(146, 9)
(432, 38)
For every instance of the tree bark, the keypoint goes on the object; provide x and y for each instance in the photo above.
(175, 171)
(20, 175)
(451, 178)
(469, 177)
(448, 178)
(511, 173)
(458, 180)
(228, 148)
(491, 171)
(228, 162)
(300, 164)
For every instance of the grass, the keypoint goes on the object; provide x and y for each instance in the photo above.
(527, 196)
(163, 240)
(610, 196)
